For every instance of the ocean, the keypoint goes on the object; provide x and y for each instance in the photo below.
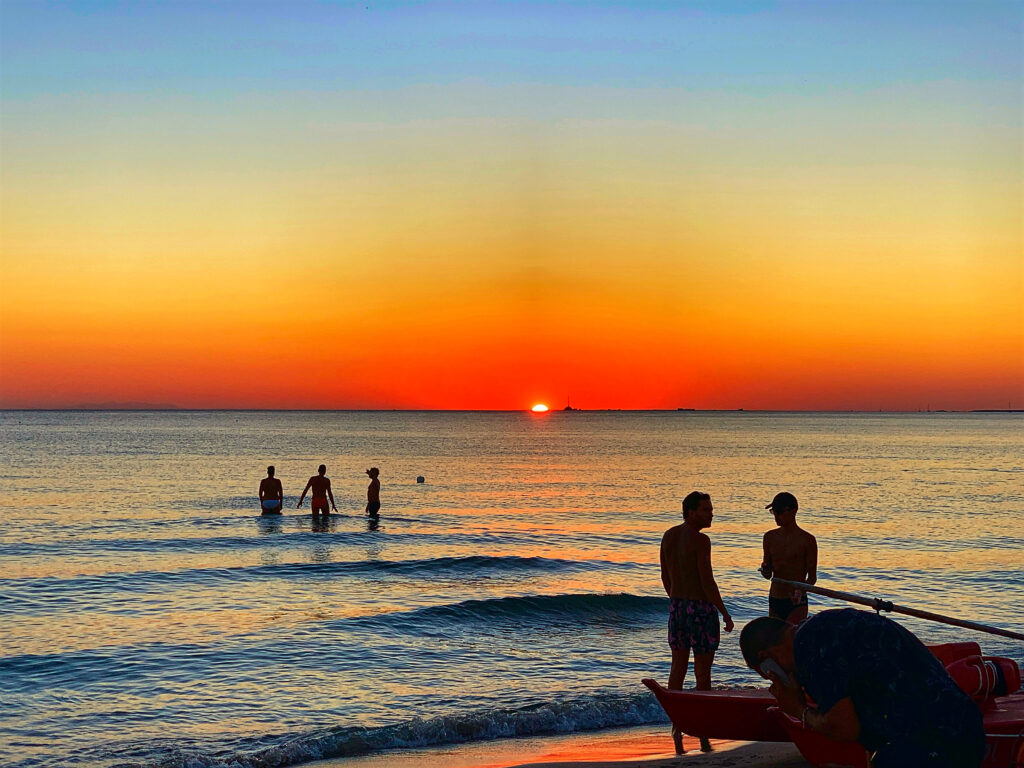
(151, 616)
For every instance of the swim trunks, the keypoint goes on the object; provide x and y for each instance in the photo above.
(692, 624)
(319, 504)
(271, 505)
(373, 507)
(781, 607)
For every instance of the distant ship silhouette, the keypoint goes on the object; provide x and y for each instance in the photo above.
(568, 406)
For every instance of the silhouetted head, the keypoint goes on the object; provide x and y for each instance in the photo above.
(768, 638)
(373, 471)
(783, 501)
(697, 509)
(270, 471)
(784, 507)
(322, 469)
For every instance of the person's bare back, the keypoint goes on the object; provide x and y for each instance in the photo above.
(320, 484)
(680, 547)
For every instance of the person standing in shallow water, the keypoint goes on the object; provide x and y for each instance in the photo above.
(790, 553)
(694, 599)
(373, 492)
(321, 485)
(271, 494)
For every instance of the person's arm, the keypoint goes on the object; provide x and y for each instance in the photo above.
(304, 490)
(812, 561)
(665, 579)
(280, 492)
(261, 493)
(766, 561)
(331, 496)
(707, 580)
(839, 723)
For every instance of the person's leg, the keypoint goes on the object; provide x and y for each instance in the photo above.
(780, 607)
(680, 661)
(678, 642)
(797, 614)
(702, 669)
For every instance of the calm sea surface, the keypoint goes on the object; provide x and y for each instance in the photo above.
(150, 616)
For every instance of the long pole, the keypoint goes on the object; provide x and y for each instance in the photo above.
(878, 604)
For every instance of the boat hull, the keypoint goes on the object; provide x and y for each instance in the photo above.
(733, 714)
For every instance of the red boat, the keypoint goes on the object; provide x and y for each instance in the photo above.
(732, 714)
(750, 715)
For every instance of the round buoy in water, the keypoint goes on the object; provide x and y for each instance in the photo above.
(420, 479)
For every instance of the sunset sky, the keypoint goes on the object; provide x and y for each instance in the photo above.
(487, 205)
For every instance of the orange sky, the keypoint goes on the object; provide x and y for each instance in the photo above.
(470, 240)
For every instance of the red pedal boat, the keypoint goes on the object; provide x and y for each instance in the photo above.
(731, 714)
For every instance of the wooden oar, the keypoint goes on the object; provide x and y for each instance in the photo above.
(878, 604)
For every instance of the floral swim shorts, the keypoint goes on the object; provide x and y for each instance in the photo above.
(692, 624)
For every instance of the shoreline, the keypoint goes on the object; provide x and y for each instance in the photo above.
(647, 746)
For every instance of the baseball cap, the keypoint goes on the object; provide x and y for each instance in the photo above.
(784, 500)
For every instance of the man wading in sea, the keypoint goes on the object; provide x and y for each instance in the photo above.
(321, 485)
(791, 553)
(694, 600)
(373, 492)
(271, 494)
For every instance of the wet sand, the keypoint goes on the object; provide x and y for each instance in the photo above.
(642, 747)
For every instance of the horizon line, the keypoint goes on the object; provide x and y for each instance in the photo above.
(182, 409)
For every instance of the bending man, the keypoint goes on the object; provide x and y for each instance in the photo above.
(872, 682)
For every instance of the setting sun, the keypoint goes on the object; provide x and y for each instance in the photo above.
(539, 408)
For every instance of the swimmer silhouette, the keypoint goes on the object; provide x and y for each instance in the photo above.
(271, 494)
(321, 485)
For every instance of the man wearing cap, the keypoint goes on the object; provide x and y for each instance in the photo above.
(373, 492)
(790, 553)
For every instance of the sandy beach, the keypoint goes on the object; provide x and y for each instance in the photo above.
(643, 747)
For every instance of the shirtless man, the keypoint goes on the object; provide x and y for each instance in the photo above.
(373, 492)
(321, 485)
(790, 553)
(694, 600)
(271, 494)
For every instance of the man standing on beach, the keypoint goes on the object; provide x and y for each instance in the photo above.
(321, 485)
(872, 682)
(373, 492)
(694, 599)
(271, 494)
(790, 553)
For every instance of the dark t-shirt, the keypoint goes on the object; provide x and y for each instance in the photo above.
(902, 694)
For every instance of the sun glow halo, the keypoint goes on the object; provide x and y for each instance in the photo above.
(539, 408)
